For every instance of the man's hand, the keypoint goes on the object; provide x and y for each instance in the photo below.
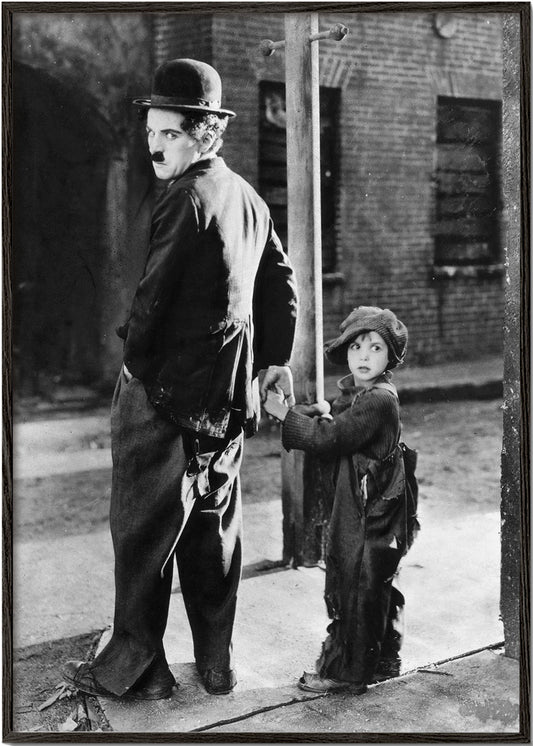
(274, 405)
(278, 377)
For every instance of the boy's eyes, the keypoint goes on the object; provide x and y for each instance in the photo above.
(376, 347)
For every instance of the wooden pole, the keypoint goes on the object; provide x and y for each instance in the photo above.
(305, 251)
(303, 197)
(304, 486)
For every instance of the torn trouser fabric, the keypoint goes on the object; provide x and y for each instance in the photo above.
(149, 510)
(366, 540)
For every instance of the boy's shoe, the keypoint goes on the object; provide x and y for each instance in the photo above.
(387, 668)
(311, 682)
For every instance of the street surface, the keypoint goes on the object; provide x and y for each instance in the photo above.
(63, 567)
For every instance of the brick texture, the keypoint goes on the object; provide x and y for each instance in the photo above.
(179, 35)
(391, 68)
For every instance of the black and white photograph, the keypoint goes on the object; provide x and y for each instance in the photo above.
(266, 372)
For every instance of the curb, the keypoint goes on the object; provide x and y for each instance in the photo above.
(408, 394)
(454, 392)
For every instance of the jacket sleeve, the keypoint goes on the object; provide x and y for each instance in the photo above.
(174, 232)
(349, 432)
(274, 307)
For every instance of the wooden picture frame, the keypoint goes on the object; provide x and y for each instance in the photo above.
(271, 716)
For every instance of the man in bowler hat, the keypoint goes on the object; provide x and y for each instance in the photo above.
(215, 306)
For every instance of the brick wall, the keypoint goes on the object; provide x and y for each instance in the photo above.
(390, 68)
(182, 35)
(400, 67)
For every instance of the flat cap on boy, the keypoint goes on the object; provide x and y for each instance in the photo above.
(370, 319)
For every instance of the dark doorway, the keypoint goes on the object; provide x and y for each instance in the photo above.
(60, 156)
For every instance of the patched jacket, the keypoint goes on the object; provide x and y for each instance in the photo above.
(216, 302)
(361, 446)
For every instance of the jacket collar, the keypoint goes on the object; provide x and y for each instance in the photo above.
(206, 164)
(347, 385)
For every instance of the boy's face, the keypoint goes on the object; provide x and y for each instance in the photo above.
(368, 357)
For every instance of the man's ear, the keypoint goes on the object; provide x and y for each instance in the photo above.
(207, 142)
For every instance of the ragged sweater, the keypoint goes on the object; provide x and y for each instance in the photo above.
(365, 421)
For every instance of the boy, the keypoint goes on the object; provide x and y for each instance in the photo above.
(372, 519)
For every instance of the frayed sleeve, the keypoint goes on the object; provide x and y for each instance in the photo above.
(348, 432)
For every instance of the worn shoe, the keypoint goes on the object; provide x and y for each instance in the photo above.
(311, 682)
(218, 682)
(80, 676)
(155, 683)
(387, 668)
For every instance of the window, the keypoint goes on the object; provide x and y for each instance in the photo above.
(468, 182)
(273, 163)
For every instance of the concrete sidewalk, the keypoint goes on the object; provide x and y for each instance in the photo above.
(281, 621)
(280, 624)
(469, 696)
(456, 681)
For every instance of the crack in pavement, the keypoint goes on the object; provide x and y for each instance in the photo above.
(270, 708)
(251, 714)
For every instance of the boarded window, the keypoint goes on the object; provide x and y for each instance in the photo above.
(467, 176)
(273, 163)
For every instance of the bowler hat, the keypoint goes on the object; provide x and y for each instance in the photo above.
(370, 319)
(186, 85)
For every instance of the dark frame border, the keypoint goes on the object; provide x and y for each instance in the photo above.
(523, 10)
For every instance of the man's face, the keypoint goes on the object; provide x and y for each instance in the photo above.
(172, 149)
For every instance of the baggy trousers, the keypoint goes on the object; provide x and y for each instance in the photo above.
(151, 506)
(365, 546)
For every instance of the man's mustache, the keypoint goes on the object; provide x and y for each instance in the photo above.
(158, 157)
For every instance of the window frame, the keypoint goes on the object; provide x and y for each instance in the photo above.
(330, 102)
(482, 149)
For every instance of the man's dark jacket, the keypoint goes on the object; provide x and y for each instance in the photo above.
(216, 302)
